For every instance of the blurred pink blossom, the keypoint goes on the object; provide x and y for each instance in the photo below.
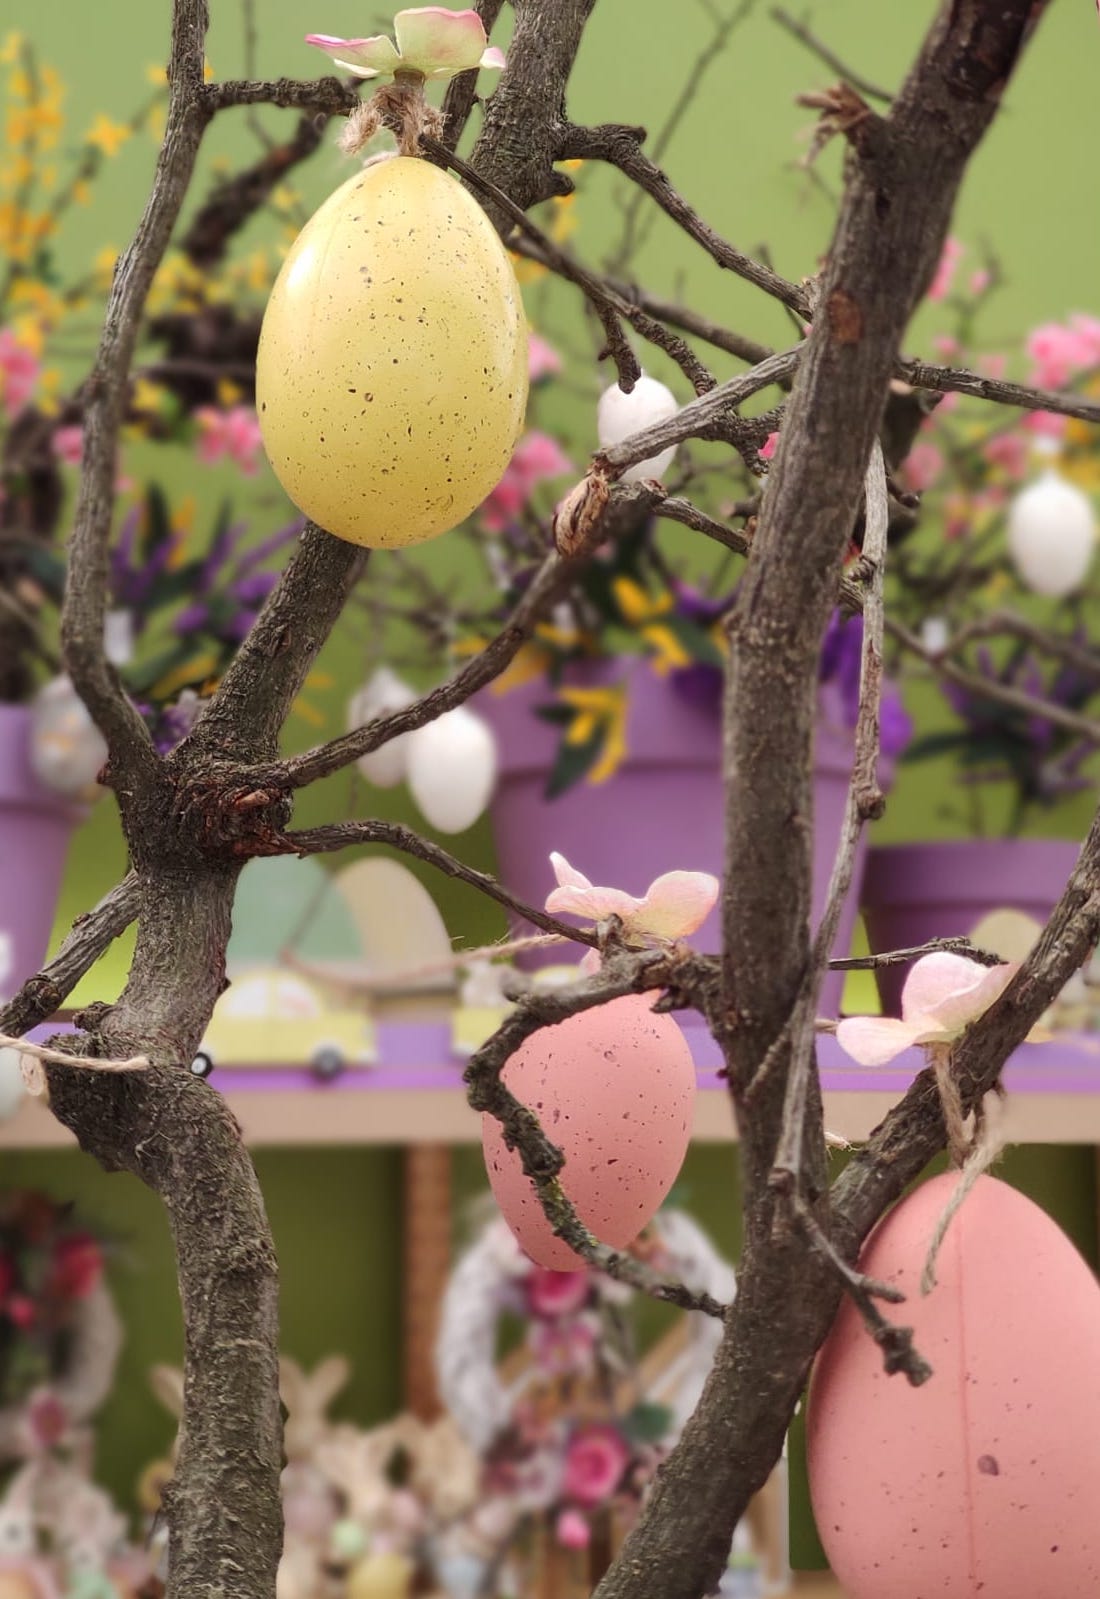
(768, 448)
(994, 366)
(537, 457)
(572, 1530)
(543, 361)
(923, 465)
(19, 371)
(595, 1462)
(1009, 451)
(234, 433)
(940, 286)
(561, 1348)
(1045, 424)
(946, 344)
(68, 444)
(556, 1293)
(980, 280)
(1058, 350)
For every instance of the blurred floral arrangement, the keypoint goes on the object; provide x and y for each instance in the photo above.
(994, 578)
(182, 602)
(49, 1265)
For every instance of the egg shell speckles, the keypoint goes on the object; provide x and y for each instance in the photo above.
(986, 1480)
(391, 377)
(614, 1088)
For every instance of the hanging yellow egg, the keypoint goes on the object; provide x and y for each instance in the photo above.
(391, 378)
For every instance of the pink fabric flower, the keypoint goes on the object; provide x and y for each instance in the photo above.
(234, 433)
(556, 1293)
(19, 371)
(1045, 424)
(595, 1462)
(430, 39)
(1009, 451)
(68, 444)
(952, 253)
(923, 465)
(943, 994)
(572, 1530)
(674, 905)
(543, 361)
(536, 459)
(77, 1266)
(1059, 350)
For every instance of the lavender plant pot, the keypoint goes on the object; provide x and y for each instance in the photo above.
(661, 811)
(916, 892)
(35, 828)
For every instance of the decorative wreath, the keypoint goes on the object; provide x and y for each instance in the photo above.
(470, 1381)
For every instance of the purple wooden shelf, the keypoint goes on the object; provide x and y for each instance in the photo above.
(420, 1056)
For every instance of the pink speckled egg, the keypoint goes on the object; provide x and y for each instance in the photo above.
(614, 1088)
(985, 1481)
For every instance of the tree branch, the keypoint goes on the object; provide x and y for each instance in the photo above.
(343, 835)
(45, 992)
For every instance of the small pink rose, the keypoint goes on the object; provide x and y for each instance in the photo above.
(556, 1293)
(595, 1462)
(572, 1530)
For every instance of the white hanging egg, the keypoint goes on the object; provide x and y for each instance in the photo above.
(452, 766)
(11, 1083)
(618, 415)
(382, 695)
(67, 750)
(1051, 535)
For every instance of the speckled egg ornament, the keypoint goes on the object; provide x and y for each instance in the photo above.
(983, 1481)
(614, 1088)
(391, 377)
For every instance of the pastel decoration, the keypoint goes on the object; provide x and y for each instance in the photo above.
(382, 695)
(614, 1088)
(1052, 535)
(399, 928)
(983, 1481)
(391, 375)
(385, 1575)
(619, 414)
(943, 994)
(285, 902)
(452, 769)
(67, 750)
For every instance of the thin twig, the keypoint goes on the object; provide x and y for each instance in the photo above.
(896, 1343)
(989, 689)
(342, 835)
(958, 380)
(803, 34)
(934, 946)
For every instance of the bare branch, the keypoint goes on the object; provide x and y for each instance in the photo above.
(801, 32)
(342, 835)
(326, 97)
(620, 147)
(958, 380)
(45, 992)
(82, 617)
(988, 688)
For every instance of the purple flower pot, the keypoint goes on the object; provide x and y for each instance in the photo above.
(35, 828)
(916, 892)
(661, 811)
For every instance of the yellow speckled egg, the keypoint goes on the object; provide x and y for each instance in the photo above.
(391, 378)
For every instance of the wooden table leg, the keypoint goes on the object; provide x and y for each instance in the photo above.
(427, 1264)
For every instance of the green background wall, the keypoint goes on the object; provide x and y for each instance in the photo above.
(1029, 196)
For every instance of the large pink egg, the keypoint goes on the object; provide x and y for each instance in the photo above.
(614, 1088)
(985, 1481)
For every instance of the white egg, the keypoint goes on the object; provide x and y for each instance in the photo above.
(452, 766)
(382, 695)
(67, 750)
(618, 415)
(935, 634)
(11, 1083)
(1051, 535)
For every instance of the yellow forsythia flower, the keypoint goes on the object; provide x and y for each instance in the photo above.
(106, 135)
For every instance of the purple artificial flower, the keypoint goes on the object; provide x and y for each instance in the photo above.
(841, 650)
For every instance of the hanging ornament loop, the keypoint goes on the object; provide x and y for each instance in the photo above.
(399, 106)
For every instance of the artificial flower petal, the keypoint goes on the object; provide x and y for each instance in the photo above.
(594, 904)
(952, 990)
(677, 903)
(567, 876)
(874, 1040)
(366, 58)
(436, 41)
